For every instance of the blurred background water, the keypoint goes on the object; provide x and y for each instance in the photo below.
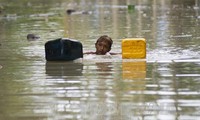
(164, 86)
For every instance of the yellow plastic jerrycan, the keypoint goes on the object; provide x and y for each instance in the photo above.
(134, 48)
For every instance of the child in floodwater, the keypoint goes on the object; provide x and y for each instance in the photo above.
(103, 46)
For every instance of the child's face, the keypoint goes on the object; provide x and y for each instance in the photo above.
(102, 47)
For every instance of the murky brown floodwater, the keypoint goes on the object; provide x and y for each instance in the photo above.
(164, 86)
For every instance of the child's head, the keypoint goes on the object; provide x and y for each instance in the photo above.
(103, 45)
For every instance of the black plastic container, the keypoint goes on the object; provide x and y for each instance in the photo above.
(63, 49)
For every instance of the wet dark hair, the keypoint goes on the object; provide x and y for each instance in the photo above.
(105, 38)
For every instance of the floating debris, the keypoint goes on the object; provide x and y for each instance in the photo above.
(86, 12)
(31, 37)
(70, 11)
(131, 7)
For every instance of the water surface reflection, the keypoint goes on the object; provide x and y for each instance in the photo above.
(165, 86)
(64, 68)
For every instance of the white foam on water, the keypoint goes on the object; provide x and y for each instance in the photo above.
(170, 56)
(161, 56)
(180, 36)
(102, 58)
